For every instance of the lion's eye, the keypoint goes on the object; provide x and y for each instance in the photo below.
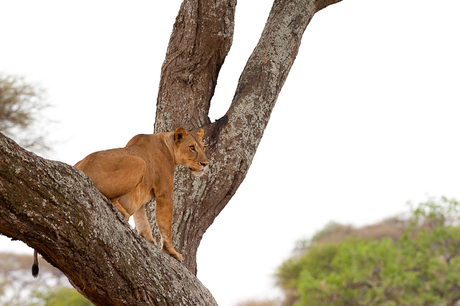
(192, 148)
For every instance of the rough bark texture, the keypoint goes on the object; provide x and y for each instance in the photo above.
(232, 140)
(201, 38)
(55, 209)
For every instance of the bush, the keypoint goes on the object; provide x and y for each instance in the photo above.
(59, 296)
(422, 267)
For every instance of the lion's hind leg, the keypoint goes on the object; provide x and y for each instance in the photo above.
(114, 175)
(121, 208)
(143, 225)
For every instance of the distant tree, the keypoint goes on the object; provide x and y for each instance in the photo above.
(16, 285)
(422, 267)
(21, 116)
(316, 259)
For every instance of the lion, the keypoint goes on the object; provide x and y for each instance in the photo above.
(144, 170)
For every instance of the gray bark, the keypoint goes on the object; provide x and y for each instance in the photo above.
(232, 140)
(55, 209)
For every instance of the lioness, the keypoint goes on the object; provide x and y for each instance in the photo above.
(143, 170)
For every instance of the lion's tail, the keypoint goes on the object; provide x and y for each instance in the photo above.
(35, 265)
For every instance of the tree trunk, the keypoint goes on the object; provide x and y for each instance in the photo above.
(55, 209)
(232, 140)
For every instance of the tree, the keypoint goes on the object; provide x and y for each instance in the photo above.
(54, 208)
(422, 267)
(16, 285)
(21, 105)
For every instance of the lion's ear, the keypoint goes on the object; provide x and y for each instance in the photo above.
(179, 134)
(200, 133)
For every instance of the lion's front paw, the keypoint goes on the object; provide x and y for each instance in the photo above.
(172, 252)
(177, 256)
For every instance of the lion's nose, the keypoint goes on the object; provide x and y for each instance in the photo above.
(204, 164)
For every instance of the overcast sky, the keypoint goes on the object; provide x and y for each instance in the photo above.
(368, 118)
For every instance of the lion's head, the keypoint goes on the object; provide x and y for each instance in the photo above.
(189, 151)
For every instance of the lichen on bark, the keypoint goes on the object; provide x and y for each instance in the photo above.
(54, 208)
(233, 140)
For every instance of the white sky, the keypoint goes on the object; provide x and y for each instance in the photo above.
(367, 120)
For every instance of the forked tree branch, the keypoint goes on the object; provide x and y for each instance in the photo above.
(54, 208)
(233, 140)
(200, 40)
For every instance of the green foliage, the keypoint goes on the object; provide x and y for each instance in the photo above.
(60, 296)
(317, 260)
(420, 268)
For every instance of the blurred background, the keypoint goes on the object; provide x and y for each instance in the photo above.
(368, 120)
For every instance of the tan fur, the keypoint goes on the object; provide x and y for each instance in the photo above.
(143, 170)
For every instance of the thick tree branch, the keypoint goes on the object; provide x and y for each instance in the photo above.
(320, 4)
(232, 140)
(201, 38)
(54, 208)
